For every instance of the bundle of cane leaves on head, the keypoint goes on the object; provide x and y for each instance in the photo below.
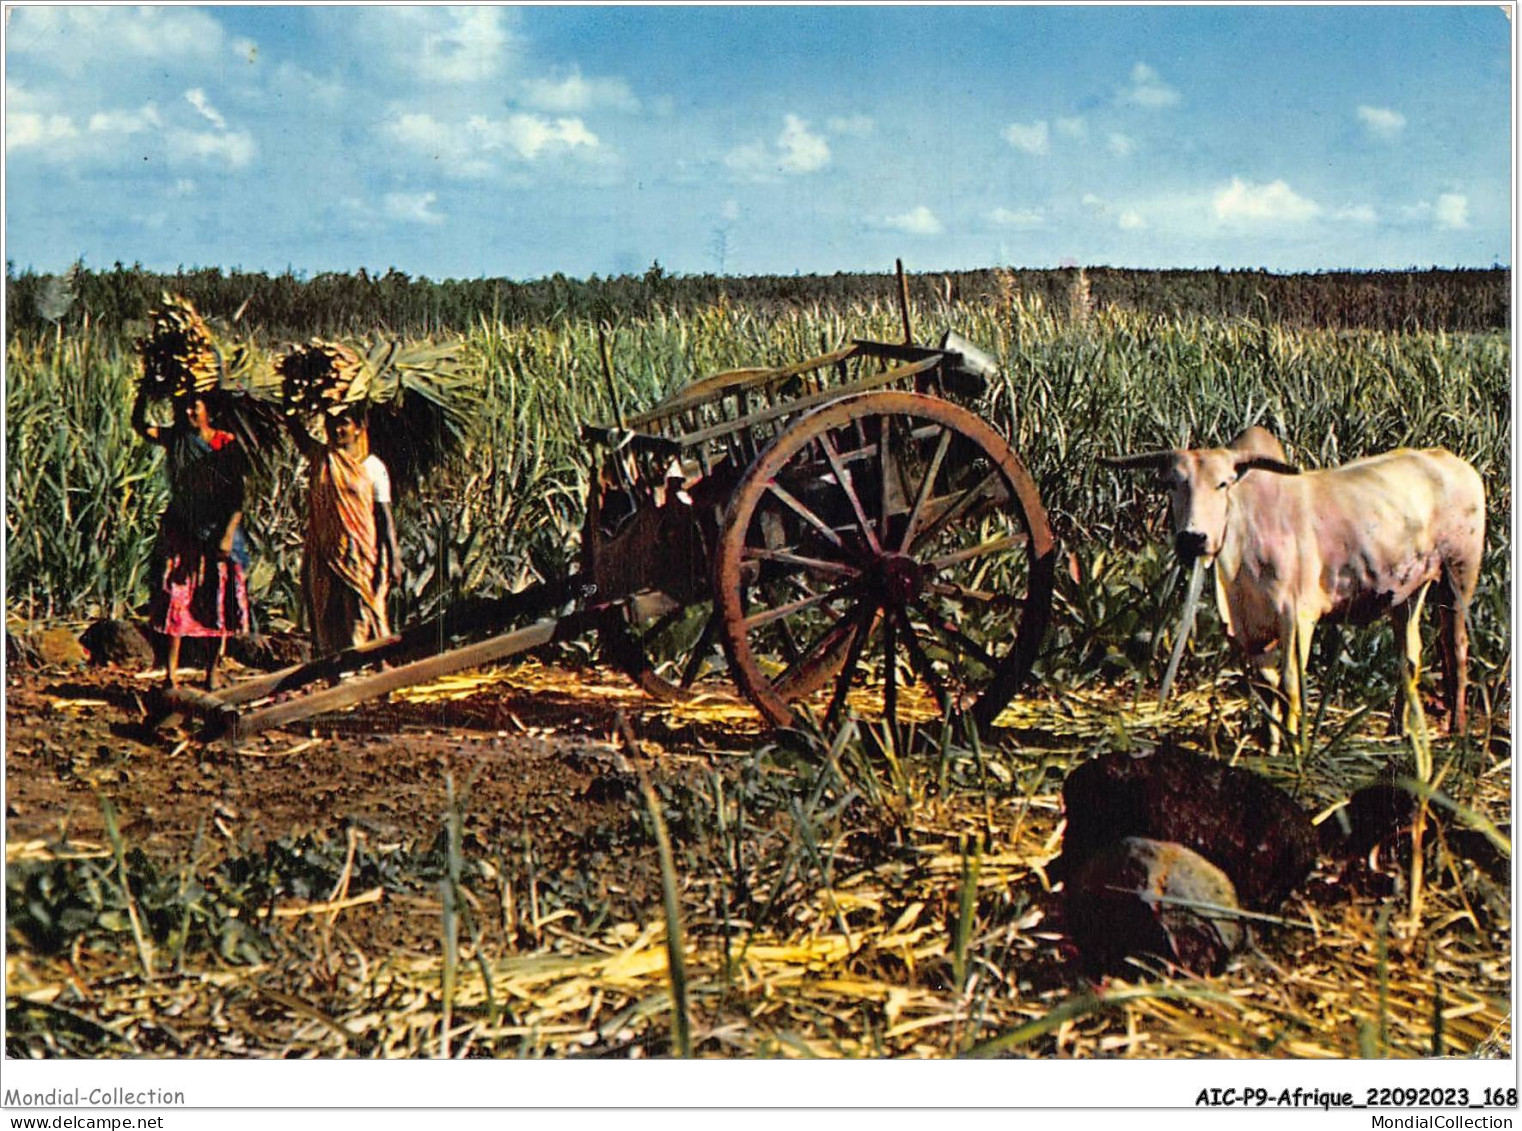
(417, 395)
(184, 356)
(422, 400)
(178, 351)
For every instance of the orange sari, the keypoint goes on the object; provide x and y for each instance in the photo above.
(346, 600)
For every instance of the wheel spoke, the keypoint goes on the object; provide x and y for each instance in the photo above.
(956, 636)
(784, 634)
(792, 607)
(846, 485)
(957, 509)
(803, 512)
(890, 676)
(921, 662)
(966, 593)
(926, 488)
(804, 666)
(786, 557)
(993, 546)
(662, 623)
(886, 467)
(694, 663)
(864, 615)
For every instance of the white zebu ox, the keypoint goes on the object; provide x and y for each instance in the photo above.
(1348, 543)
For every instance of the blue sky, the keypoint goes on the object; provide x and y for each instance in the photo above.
(517, 142)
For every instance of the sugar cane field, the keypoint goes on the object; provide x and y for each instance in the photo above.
(535, 858)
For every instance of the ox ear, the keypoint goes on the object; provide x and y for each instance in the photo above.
(1248, 462)
(1142, 461)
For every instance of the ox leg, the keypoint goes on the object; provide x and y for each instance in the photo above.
(1297, 629)
(1400, 621)
(1453, 648)
(1408, 635)
(1264, 683)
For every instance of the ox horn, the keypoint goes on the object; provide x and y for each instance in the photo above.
(1248, 462)
(1144, 459)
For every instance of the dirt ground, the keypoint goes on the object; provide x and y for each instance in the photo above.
(542, 759)
(534, 753)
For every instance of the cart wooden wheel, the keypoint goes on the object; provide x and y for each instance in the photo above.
(891, 542)
(664, 646)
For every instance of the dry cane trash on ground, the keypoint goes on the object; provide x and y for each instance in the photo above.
(912, 918)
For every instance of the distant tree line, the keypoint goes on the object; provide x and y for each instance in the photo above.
(291, 305)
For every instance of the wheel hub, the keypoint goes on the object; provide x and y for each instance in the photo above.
(900, 578)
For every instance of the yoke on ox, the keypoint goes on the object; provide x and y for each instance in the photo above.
(1350, 543)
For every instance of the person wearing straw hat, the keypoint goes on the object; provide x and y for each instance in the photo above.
(201, 555)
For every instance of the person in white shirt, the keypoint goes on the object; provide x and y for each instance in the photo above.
(352, 554)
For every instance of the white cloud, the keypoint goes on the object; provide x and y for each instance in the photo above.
(125, 121)
(235, 149)
(1072, 127)
(797, 151)
(748, 160)
(576, 94)
(423, 133)
(1147, 90)
(1271, 203)
(24, 129)
(197, 98)
(730, 211)
(530, 136)
(1033, 138)
(1452, 211)
(918, 221)
(855, 125)
(184, 187)
(1023, 218)
(1131, 220)
(1093, 203)
(57, 137)
(441, 46)
(802, 151)
(462, 146)
(1382, 123)
(1121, 145)
(412, 207)
(1356, 214)
(89, 39)
(467, 48)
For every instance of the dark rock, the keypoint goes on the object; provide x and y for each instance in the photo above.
(118, 642)
(1247, 826)
(1379, 815)
(611, 787)
(270, 651)
(1373, 815)
(1137, 897)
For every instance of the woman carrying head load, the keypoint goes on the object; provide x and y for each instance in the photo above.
(201, 556)
(352, 556)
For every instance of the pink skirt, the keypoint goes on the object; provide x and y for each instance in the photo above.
(199, 593)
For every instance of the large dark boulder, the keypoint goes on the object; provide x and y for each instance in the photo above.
(118, 642)
(1145, 897)
(1245, 825)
